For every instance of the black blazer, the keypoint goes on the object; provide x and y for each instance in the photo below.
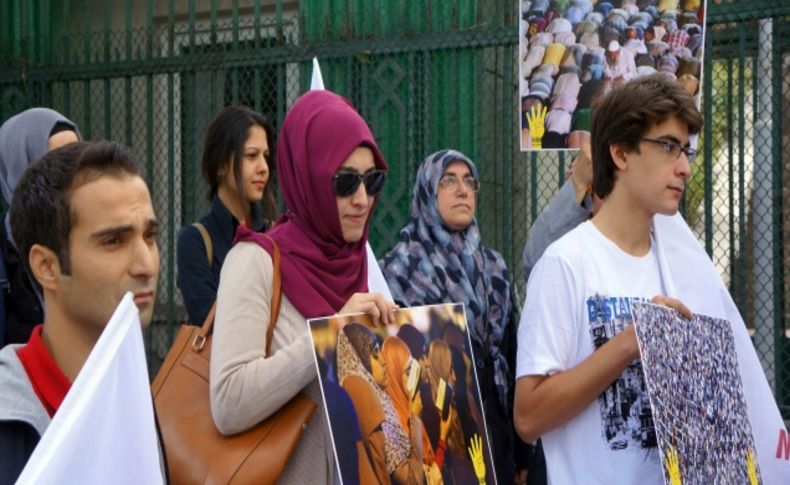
(197, 280)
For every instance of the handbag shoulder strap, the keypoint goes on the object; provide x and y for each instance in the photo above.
(277, 293)
(206, 241)
(208, 324)
(200, 339)
(274, 313)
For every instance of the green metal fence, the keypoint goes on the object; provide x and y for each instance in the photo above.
(426, 75)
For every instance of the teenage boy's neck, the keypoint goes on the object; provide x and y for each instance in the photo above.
(625, 224)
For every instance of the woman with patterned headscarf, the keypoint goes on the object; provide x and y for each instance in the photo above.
(362, 372)
(441, 258)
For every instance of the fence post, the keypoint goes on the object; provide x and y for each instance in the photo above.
(764, 269)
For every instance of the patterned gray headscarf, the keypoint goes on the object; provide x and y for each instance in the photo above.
(435, 264)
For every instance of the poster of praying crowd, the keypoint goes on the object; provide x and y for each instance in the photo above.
(572, 50)
(403, 400)
(696, 393)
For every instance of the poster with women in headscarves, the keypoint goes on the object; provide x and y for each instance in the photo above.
(403, 402)
(572, 50)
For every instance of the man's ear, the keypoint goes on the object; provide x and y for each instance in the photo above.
(45, 266)
(619, 153)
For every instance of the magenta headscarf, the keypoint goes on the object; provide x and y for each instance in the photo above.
(320, 271)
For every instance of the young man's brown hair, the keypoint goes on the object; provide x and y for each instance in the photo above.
(623, 115)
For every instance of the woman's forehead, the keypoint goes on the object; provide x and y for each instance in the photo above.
(361, 159)
(458, 167)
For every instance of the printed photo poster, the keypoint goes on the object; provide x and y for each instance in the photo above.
(402, 400)
(696, 393)
(571, 50)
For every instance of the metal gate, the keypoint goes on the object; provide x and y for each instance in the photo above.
(426, 75)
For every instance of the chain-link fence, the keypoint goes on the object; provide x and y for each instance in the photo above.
(736, 203)
(426, 75)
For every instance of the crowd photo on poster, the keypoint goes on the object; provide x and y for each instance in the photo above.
(571, 50)
(695, 389)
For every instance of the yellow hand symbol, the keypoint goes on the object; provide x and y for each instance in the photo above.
(751, 467)
(673, 468)
(536, 118)
(476, 452)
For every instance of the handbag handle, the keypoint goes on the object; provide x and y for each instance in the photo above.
(277, 293)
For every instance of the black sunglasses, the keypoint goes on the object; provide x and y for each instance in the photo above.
(346, 181)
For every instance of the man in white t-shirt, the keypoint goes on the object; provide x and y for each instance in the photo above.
(579, 379)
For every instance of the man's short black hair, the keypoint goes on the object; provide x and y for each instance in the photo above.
(40, 210)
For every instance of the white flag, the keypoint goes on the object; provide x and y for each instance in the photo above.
(376, 281)
(104, 430)
(317, 82)
(690, 276)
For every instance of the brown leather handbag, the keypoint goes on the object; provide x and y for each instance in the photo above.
(196, 451)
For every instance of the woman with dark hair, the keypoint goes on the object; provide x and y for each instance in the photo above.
(330, 173)
(440, 259)
(415, 341)
(24, 138)
(450, 444)
(238, 166)
(468, 414)
(435, 428)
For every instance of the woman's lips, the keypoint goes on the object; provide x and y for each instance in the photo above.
(359, 218)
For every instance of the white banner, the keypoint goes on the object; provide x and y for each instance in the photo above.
(690, 276)
(104, 431)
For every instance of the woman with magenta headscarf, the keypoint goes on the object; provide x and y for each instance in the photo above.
(441, 259)
(330, 172)
(24, 138)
